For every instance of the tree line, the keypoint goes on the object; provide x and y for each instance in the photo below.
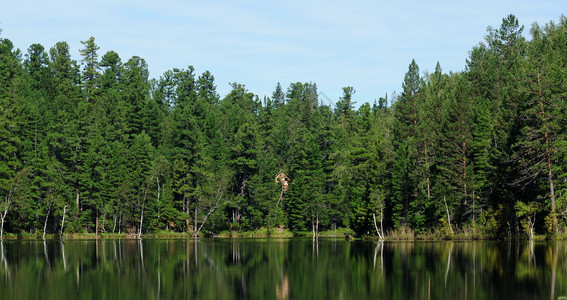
(95, 145)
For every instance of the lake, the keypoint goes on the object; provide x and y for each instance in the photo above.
(281, 269)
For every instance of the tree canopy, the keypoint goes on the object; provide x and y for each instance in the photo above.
(95, 145)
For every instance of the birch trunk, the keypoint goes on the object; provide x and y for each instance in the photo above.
(45, 224)
(3, 218)
(218, 199)
(379, 232)
(142, 207)
(114, 223)
(141, 221)
(195, 232)
(317, 225)
(62, 222)
(3, 214)
(2, 226)
(313, 230)
(448, 215)
(205, 220)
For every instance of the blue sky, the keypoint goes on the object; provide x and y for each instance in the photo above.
(364, 44)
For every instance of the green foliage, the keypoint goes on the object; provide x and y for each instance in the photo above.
(526, 214)
(101, 143)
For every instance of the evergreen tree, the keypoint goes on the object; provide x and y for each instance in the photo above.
(136, 92)
(537, 144)
(115, 151)
(91, 67)
(278, 96)
(431, 114)
(11, 175)
(454, 185)
(404, 193)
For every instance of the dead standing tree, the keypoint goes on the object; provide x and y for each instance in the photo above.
(282, 179)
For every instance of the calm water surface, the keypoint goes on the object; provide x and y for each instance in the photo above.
(281, 269)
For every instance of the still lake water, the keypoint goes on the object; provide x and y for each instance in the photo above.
(281, 269)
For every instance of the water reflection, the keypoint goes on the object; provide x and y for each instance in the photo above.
(281, 269)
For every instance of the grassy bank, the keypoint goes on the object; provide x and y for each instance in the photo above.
(258, 233)
(461, 234)
(401, 234)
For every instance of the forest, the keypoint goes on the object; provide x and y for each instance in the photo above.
(96, 146)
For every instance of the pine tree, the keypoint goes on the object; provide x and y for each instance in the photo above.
(11, 174)
(136, 93)
(278, 96)
(431, 113)
(406, 122)
(91, 67)
(455, 166)
(537, 145)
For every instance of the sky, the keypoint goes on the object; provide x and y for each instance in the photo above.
(364, 44)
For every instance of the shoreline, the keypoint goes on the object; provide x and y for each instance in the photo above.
(281, 233)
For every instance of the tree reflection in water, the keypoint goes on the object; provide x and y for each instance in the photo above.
(282, 269)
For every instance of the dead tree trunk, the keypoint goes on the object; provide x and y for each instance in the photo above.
(315, 226)
(187, 211)
(78, 198)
